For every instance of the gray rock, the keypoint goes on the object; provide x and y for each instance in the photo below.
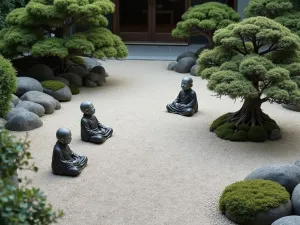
(40, 72)
(172, 65)
(72, 78)
(32, 107)
(91, 62)
(25, 84)
(80, 71)
(58, 105)
(296, 200)
(24, 121)
(96, 78)
(15, 100)
(275, 135)
(293, 107)
(64, 80)
(288, 220)
(89, 83)
(194, 70)
(184, 65)
(13, 112)
(62, 95)
(185, 54)
(11, 105)
(286, 175)
(297, 163)
(47, 101)
(100, 70)
(266, 218)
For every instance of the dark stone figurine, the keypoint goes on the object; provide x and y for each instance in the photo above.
(91, 130)
(186, 103)
(64, 160)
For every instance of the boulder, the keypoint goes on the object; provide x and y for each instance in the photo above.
(13, 112)
(185, 54)
(11, 105)
(25, 84)
(47, 101)
(89, 83)
(297, 163)
(32, 107)
(275, 135)
(58, 105)
(185, 65)
(61, 79)
(100, 70)
(172, 65)
(15, 100)
(40, 72)
(293, 107)
(288, 220)
(72, 78)
(194, 70)
(96, 78)
(286, 175)
(91, 62)
(62, 95)
(296, 200)
(24, 121)
(80, 71)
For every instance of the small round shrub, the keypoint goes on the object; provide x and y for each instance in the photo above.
(243, 200)
(225, 131)
(77, 60)
(74, 89)
(8, 85)
(53, 85)
(257, 134)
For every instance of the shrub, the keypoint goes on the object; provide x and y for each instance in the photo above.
(245, 199)
(257, 134)
(74, 89)
(53, 85)
(8, 85)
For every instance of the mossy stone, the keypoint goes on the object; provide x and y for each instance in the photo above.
(225, 131)
(74, 89)
(270, 126)
(257, 134)
(218, 122)
(77, 60)
(244, 200)
(53, 85)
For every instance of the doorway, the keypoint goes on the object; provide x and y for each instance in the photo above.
(148, 21)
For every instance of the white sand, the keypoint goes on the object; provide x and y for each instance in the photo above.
(158, 168)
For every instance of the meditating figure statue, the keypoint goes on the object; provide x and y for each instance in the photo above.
(91, 130)
(64, 160)
(186, 103)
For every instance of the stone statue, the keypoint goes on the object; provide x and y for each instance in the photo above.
(186, 103)
(64, 160)
(91, 130)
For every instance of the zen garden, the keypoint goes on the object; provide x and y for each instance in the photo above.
(90, 137)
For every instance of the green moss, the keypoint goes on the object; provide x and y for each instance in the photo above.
(53, 85)
(77, 60)
(270, 126)
(240, 135)
(74, 89)
(225, 131)
(244, 127)
(245, 199)
(257, 134)
(218, 122)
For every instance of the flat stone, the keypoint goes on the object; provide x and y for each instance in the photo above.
(293, 107)
(24, 121)
(32, 107)
(25, 84)
(14, 111)
(62, 95)
(296, 200)
(15, 100)
(172, 65)
(288, 220)
(185, 54)
(185, 65)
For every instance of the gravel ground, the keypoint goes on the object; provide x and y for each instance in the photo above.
(158, 168)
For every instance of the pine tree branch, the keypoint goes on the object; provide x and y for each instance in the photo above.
(270, 49)
(264, 87)
(244, 44)
(240, 51)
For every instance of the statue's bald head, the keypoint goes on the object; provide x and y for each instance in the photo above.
(186, 83)
(87, 108)
(64, 135)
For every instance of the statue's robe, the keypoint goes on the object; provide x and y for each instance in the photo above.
(66, 162)
(189, 102)
(93, 131)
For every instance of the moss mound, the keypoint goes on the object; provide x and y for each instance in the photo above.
(77, 60)
(245, 199)
(218, 122)
(53, 85)
(257, 134)
(74, 89)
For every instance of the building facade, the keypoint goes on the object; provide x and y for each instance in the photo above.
(152, 21)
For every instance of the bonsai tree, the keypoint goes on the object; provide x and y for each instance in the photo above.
(8, 85)
(286, 12)
(204, 20)
(256, 60)
(42, 29)
(20, 205)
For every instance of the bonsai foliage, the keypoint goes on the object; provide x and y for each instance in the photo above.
(20, 205)
(8, 85)
(243, 200)
(204, 20)
(256, 60)
(41, 28)
(286, 12)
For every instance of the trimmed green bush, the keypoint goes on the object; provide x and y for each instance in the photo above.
(53, 85)
(219, 121)
(74, 89)
(8, 85)
(243, 200)
(77, 60)
(257, 134)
